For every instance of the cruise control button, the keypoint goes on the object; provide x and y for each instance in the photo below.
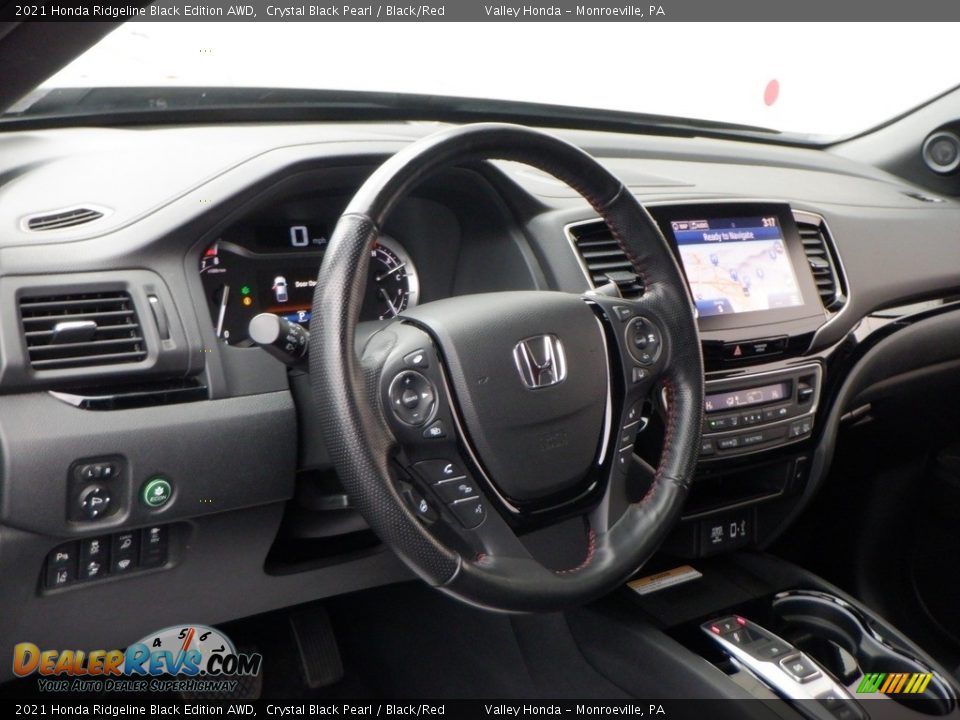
(470, 512)
(436, 431)
(434, 471)
(456, 489)
(799, 667)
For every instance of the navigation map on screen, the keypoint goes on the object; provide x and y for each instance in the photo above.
(737, 265)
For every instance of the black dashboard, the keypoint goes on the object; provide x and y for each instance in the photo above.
(791, 255)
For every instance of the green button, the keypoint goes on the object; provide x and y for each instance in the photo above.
(156, 492)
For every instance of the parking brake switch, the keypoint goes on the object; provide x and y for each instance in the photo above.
(786, 670)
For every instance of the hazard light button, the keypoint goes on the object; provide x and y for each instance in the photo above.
(749, 349)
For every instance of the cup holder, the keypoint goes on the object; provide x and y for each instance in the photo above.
(850, 645)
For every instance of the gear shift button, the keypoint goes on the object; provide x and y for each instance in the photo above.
(799, 667)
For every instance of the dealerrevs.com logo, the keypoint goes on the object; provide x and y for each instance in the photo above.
(193, 658)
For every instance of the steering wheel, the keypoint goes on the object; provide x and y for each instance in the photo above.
(467, 421)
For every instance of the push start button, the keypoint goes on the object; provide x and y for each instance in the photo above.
(156, 492)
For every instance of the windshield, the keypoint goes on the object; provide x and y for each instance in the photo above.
(814, 80)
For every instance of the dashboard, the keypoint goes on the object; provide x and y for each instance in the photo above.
(791, 255)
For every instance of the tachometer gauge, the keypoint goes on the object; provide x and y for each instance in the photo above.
(393, 285)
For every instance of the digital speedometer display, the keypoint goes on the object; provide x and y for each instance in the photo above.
(277, 273)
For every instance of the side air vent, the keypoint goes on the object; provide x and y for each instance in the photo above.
(81, 330)
(61, 219)
(602, 259)
(822, 259)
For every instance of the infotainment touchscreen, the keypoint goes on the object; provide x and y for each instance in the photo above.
(737, 265)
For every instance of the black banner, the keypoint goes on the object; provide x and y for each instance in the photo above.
(145, 706)
(482, 11)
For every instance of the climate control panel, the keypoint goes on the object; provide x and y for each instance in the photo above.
(759, 411)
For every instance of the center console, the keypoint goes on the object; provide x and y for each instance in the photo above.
(779, 633)
(764, 279)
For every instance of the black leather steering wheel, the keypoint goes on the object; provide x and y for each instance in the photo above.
(467, 420)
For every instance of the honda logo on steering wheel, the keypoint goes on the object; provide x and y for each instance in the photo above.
(540, 361)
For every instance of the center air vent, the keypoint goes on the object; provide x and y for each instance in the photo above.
(820, 255)
(61, 219)
(81, 330)
(602, 258)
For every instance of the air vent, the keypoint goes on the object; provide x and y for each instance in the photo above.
(820, 256)
(81, 330)
(61, 219)
(603, 260)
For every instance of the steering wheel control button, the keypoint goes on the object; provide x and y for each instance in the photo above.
(417, 359)
(622, 312)
(413, 398)
(156, 492)
(434, 471)
(643, 340)
(799, 667)
(469, 511)
(94, 501)
(436, 431)
(418, 503)
(634, 414)
(456, 489)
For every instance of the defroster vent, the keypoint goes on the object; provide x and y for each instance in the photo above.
(81, 330)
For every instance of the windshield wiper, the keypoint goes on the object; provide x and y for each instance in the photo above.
(133, 105)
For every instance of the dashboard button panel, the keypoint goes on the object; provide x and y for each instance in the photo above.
(96, 558)
(756, 412)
